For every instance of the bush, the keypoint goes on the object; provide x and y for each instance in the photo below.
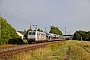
(15, 41)
(7, 32)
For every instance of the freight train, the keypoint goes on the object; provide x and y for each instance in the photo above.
(36, 36)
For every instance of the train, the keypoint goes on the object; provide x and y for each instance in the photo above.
(36, 36)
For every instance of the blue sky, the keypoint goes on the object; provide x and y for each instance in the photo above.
(72, 14)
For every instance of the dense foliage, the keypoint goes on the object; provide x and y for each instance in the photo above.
(39, 30)
(55, 30)
(7, 32)
(84, 34)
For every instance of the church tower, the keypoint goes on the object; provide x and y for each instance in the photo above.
(30, 29)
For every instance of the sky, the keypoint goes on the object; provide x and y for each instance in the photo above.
(72, 14)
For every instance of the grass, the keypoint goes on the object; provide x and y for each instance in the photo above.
(6, 45)
(76, 52)
(86, 44)
(38, 54)
(61, 53)
(25, 41)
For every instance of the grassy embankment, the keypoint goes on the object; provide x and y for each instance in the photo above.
(78, 52)
(42, 53)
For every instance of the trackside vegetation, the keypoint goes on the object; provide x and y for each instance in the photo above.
(78, 52)
(41, 53)
(50, 52)
(8, 33)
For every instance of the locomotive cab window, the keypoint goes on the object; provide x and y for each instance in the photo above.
(31, 33)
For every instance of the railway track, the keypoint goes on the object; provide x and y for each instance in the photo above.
(86, 49)
(6, 52)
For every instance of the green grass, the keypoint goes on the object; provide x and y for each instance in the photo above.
(38, 54)
(76, 52)
(60, 54)
(79, 53)
(6, 45)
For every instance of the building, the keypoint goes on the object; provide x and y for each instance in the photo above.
(21, 34)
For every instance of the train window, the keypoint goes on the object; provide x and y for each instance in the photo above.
(31, 33)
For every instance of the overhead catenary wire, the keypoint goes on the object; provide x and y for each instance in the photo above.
(18, 11)
(18, 3)
(63, 30)
(33, 5)
(27, 9)
(41, 10)
(14, 17)
(15, 10)
(26, 14)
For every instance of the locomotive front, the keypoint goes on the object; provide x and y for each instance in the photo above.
(31, 36)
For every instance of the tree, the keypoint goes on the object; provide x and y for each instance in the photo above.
(26, 32)
(7, 31)
(39, 30)
(76, 36)
(55, 30)
(84, 34)
(88, 36)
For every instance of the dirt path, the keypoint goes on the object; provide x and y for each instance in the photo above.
(53, 54)
(67, 54)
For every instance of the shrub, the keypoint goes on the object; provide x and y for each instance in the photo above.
(15, 41)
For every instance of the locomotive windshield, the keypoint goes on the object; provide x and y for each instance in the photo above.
(31, 33)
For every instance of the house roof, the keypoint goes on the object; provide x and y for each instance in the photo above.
(22, 32)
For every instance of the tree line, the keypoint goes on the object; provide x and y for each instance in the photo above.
(85, 35)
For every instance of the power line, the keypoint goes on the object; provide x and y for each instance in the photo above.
(63, 30)
(43, 12)
(20, 11)
(27, 9)
(24, 7)
(39, 9)
(17, 10)
(12, 17)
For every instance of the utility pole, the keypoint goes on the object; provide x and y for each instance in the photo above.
(65, 30)
(81, 41)
(30, 28)
(30, 25)
(45, 29)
